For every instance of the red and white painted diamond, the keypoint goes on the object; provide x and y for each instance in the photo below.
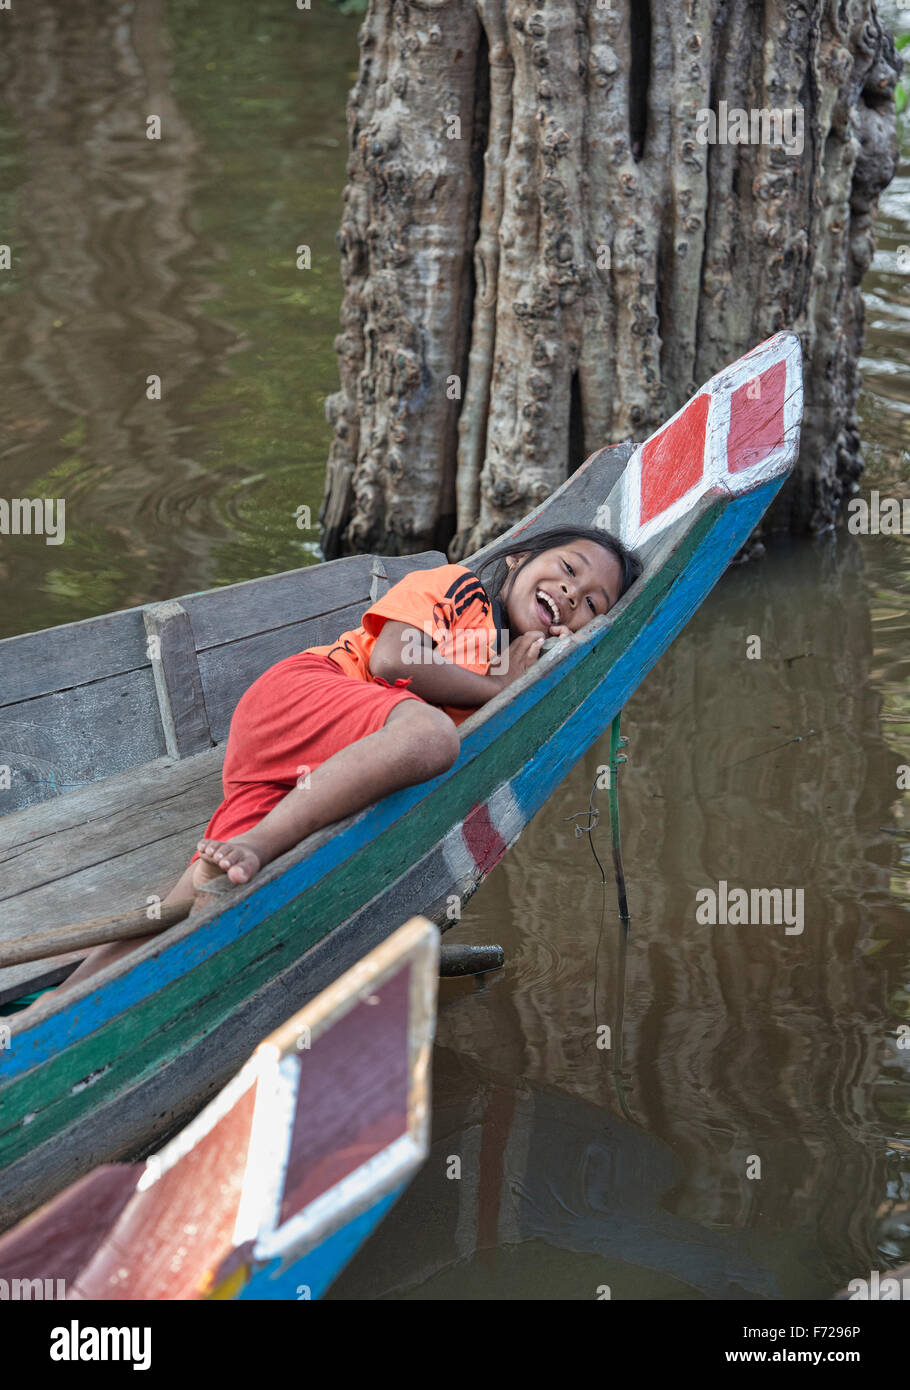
(740, 428)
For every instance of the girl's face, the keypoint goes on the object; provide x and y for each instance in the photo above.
(561, 588)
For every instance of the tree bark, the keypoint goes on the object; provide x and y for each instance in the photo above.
(540, 257)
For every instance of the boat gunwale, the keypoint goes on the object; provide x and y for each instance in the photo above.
(140, 608)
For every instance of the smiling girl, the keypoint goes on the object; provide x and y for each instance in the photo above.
(332, 729)
(325, 733)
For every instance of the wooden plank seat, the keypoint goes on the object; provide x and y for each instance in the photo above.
(100, 850)
(86, 700)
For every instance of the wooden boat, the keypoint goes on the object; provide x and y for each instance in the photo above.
(273, 1187)
(129, 712)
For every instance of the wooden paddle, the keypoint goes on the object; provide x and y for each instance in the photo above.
(98, 932)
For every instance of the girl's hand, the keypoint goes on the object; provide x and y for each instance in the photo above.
(560, 630)
(522, 654)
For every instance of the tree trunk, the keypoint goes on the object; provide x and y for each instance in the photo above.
(541, 253)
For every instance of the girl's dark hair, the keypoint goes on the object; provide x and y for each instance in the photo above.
(548, 540)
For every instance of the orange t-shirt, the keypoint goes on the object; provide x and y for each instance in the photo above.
(449, 604)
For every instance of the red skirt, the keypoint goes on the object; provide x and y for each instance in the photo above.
(294, 717)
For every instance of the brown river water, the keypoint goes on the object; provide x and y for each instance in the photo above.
(747, 1135)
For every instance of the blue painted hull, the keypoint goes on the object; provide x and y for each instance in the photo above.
(309, 1277)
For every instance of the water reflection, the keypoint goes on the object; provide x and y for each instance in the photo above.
(739, 1041)
(174, 258)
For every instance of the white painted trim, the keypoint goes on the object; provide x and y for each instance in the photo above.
(506, 814)
(355, 1194)
(778, 461)
(270, 1146)
(630, 497)
(716, 436)
(459, 859)
(158, 1164)
(506, 818)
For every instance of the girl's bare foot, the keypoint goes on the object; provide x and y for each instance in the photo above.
(236, 858)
